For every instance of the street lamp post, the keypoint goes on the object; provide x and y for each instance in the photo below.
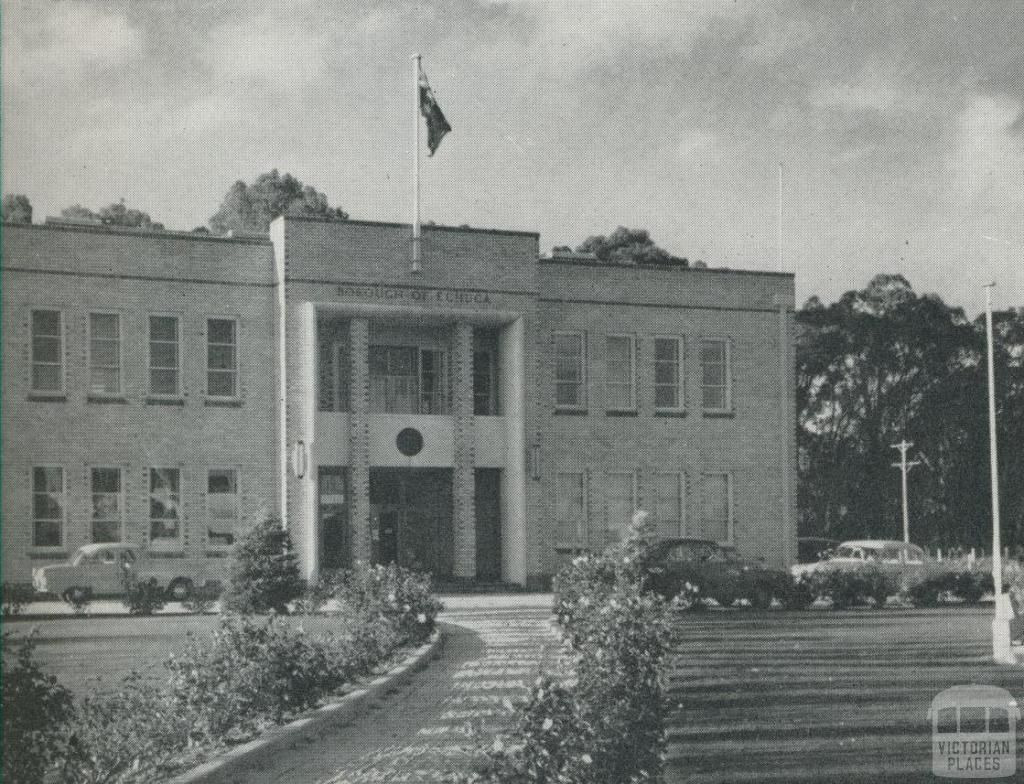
(904, 465)
(1001, 650)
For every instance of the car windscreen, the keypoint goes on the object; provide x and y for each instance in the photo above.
(845, 551)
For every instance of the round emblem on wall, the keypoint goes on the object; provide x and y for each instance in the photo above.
(409, 441)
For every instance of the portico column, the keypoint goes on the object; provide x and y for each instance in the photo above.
(464, 501)
(359, 439)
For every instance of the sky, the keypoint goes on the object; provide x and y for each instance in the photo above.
(899, 125)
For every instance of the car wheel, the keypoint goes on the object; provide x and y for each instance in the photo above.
(179, 589)
(761, 597)
(76, 595)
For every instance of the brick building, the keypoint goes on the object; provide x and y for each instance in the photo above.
(484, 417)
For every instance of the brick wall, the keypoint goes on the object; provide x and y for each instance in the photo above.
(133, 274)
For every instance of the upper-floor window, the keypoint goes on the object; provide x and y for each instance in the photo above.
(485, 383)
(716, 385)
(47, 351)
(570, 370)
(49, 506)
(222, 506)
(668, 374)
(164, 508)
(104, 354)
(164, 355)
(408, 380)
(333, 375)
(570, 512)
(221, 357)
(620, 373)
(107, 504)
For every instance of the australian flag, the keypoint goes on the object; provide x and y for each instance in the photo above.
(437, 125)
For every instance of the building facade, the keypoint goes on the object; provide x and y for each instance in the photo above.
(484, 418)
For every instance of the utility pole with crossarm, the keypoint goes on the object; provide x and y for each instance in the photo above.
(905, 465)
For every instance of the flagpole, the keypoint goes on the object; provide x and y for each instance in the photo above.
(416, 165)
(782, 266)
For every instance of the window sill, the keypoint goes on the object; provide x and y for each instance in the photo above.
(104, 399)
(165, 401)
(718, 414)
(624, 412)
(41, 553)
(223, 402)
(571, 412)
(670, 413)
(48, 397)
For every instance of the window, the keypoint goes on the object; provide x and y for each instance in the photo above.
(620, 491)
(715, 374)
(716, 507)
(407, 380)
(221, 357)
(668, 374)
(669, 504)
(163, 355)
(107, 504)
(335, 535)
(485, 383)
(333, 377)
(104, 354)
(620, 374)
(222, 508)
(571, 509)
(47, 351)
(570, 373)
(49, 502)
(164, 506)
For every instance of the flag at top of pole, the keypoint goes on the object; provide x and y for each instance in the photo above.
(437, 125)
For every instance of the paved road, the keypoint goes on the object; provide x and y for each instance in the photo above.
(494, 649)
(839, 697)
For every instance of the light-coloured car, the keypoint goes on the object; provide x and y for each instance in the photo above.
(906, 560)
(100, 569)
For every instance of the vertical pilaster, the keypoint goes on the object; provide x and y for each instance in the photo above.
(464, 501)
(512, 349)
(359, 438)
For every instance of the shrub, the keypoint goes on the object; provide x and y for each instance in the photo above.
(79, 601)
(393, 593)
(201, 599)
(142, 597)
(929, 592)
(35, 709)
(264, 571)
(15, 597)
(848, 588)
(605, 726)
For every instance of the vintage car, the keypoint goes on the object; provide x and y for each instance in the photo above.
(100, 570)
(718, 571)
(907, 562)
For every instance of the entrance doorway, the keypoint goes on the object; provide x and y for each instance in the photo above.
(411, 518)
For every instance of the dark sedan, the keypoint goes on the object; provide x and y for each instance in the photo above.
(719, 572)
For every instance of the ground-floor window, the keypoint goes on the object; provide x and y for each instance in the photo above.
(222, 506)
(717, 507)
(570, 495)
(670, 504)
(49, 505)
(620, 496)
(164, 506)
(107, 504)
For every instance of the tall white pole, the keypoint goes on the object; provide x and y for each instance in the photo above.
(416, 163)
(1001, 622)
(904, 465)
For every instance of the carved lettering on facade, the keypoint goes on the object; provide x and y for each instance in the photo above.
(449, 296)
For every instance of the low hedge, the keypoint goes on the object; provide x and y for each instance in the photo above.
(15, 597)
(849, 588)
(248, 674)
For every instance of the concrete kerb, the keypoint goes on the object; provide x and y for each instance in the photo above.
(219, 770)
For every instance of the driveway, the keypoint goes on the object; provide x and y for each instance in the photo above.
(837, 697)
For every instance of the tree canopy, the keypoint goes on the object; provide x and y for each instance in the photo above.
(252, 207)
(628, 246)
(116, 214)
(882, 364)
(17, 208)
